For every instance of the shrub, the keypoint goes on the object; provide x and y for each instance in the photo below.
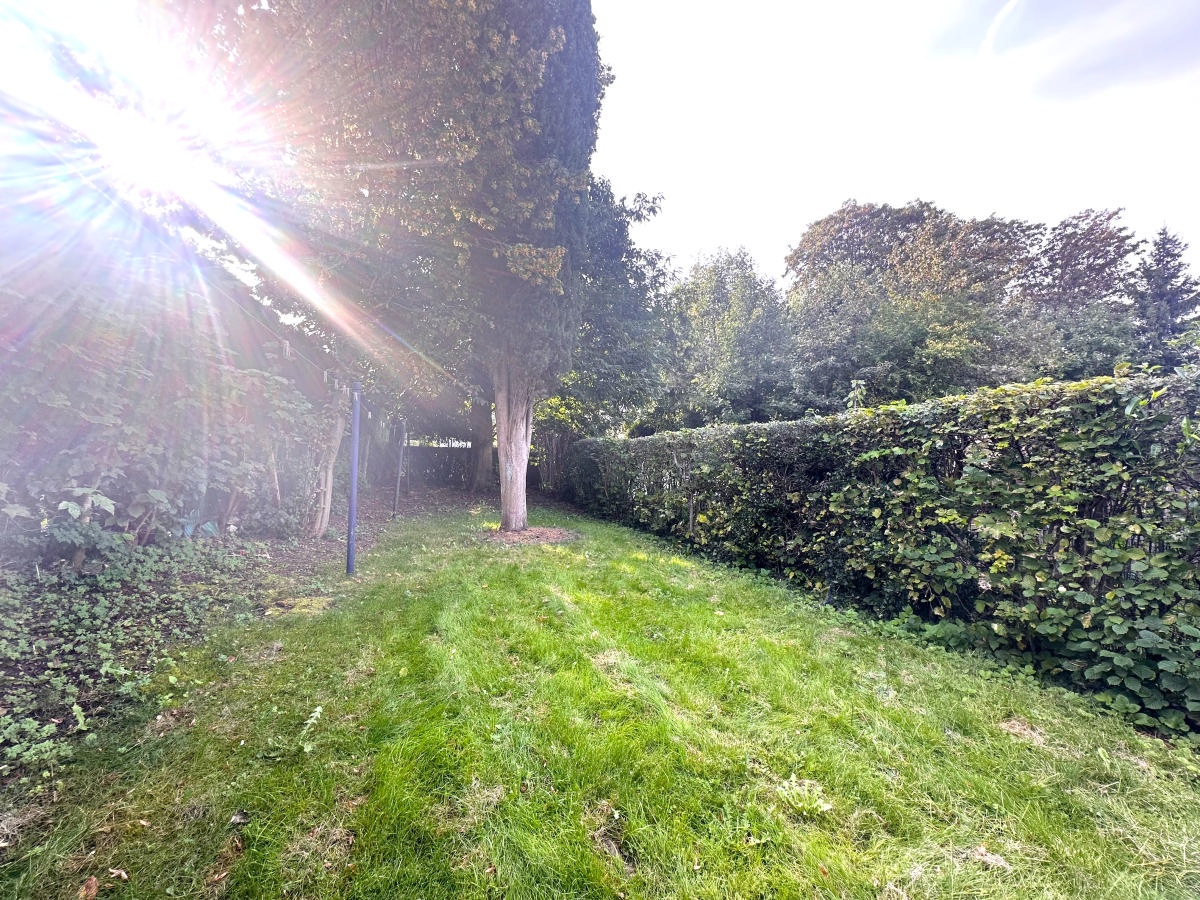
(1055, 525)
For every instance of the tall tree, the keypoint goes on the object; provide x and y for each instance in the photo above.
(528, 319)
(460, 134)
(1165, 296)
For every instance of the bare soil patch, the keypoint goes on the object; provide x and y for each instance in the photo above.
(1024, 731)
(532, 536)
(606, 827)
(306, 556)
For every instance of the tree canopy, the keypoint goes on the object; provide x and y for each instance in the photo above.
(458, 137)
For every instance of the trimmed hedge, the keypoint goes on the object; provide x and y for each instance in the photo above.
(1056, 525)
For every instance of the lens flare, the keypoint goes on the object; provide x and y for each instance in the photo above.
(119, 100)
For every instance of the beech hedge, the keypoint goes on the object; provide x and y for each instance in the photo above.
(1052, 525)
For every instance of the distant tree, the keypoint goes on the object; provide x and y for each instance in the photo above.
(909, 302)
(1079, 283)
(1083, 260)
(732, 343)
(922, 306)
(1165, 296)
(831, 312)
(863, 236)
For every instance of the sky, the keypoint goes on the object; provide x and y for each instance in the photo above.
(757, 118)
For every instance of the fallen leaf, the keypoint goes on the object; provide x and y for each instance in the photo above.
(821, 868)
(218, 878)
(989, 860)
(89, 889)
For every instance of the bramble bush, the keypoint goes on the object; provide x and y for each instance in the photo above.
(1053, 525)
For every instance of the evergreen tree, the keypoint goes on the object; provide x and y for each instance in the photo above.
(1165, 296)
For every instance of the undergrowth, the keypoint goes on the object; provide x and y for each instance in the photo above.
(73, 645)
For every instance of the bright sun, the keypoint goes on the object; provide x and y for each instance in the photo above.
(121, 80)
(134, 109)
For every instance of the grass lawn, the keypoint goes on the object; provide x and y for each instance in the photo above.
(601, 718)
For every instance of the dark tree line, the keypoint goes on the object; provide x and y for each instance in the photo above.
(908, 303)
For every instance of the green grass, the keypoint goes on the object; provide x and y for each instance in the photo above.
(604, 718)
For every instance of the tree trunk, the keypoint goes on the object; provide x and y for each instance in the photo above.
(366, 456)
(85, 518)
(480, 418)
(328, 459)
(273, 472)
(514, 431)
(230, 508)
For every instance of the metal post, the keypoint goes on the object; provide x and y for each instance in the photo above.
(352, 518)
(400, 465)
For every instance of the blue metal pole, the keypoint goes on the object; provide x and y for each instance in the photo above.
(352, 517)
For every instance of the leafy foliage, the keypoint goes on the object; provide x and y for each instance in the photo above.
(120, 430)
(139, 392)
(70, 644)
(1054, 525)
(617, 365)
(730, 343)
(915, 302)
